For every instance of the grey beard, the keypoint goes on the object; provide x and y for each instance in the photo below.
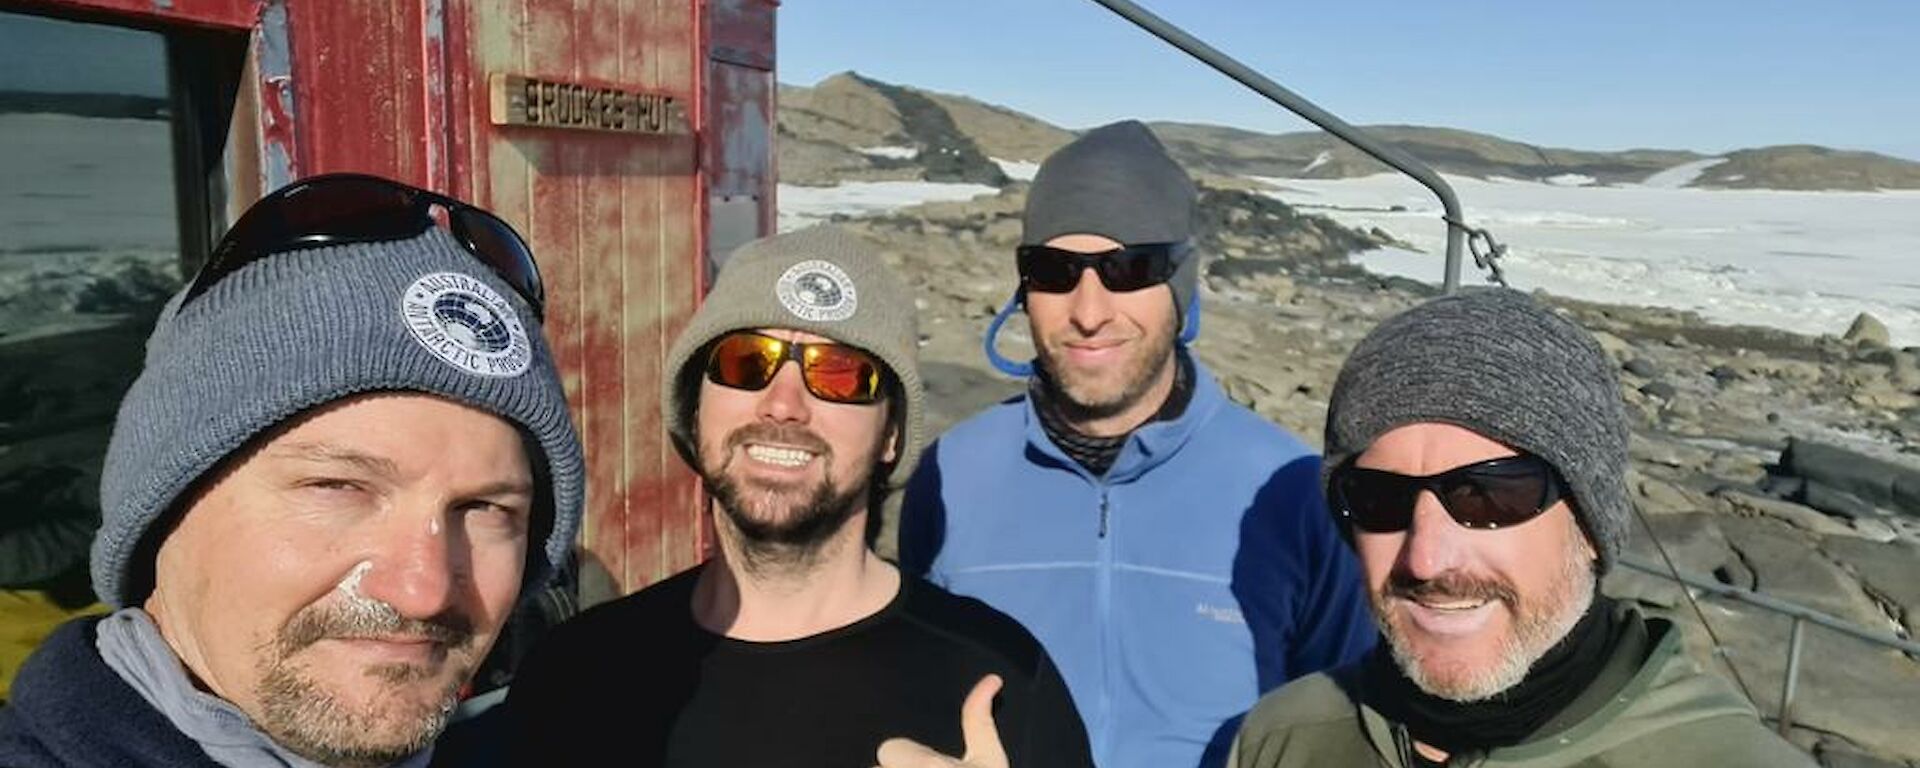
(1534, 633)
(308, 720)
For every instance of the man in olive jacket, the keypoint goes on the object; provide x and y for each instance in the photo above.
(1476, 455)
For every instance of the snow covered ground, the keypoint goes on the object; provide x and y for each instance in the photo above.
(1023, 170)
(1804, 261)
(801, 206)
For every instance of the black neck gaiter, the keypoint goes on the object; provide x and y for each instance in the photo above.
(1097, 454)
(1556, 679)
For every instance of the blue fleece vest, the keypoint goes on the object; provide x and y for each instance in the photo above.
(1201, 571)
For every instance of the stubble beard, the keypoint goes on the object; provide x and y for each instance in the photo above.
(302, 714)
(1537, 626)
(781, 527)
(1092, 395)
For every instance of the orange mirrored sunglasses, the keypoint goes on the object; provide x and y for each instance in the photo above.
(835, 373)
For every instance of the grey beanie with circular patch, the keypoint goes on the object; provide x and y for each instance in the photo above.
(1499, 363)
(1117, 181)
(822, 280)
(303, 328)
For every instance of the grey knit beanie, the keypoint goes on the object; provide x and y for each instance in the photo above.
(822, 280)
(1498, 363)
(303, 328)
(1116, 181)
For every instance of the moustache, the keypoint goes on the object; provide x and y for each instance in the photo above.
(1449, 586)
(371, 620)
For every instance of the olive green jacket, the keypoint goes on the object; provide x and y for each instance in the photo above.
(1668, 713)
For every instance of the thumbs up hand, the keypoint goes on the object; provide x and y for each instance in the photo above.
(976, 731)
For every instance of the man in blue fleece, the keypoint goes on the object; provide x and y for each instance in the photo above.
(1170, 549)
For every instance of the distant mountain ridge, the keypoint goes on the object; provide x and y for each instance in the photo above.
(850, 127)
(116, 105)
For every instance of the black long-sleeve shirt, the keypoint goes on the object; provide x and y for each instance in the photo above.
(638, 682)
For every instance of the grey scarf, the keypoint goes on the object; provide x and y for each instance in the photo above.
(130, 643)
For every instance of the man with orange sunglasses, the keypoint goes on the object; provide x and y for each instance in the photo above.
(795, 394)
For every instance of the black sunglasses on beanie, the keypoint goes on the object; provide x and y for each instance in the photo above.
(342, 208)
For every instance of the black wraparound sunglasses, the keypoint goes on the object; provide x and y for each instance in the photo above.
(342, 208)
(1130, 268)
(1484, 495)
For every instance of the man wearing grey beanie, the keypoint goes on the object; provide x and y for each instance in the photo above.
(1166, 544)
(1476, 460)
(795, 394)
(346, 457)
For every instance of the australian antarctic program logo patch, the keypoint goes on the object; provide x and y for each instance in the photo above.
(818, 291)
(466, 323)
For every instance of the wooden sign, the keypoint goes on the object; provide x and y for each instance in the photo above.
(519, 100)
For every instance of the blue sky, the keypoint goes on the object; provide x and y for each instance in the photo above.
(1705, 75)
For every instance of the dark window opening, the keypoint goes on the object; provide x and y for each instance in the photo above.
(111, 191)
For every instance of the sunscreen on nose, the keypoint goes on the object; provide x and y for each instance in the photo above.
(433, 525)
(350, 584)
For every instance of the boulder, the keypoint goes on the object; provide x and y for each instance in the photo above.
(1875, 480)
(1867, 329)
(1659, 390)
(1642, 368)
(1797, 515)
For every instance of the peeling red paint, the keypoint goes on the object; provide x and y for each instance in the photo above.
(617, 221)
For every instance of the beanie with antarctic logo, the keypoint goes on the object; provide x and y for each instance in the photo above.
(821, 280)
(1497, 362)
(1116, 181)
(296, 330)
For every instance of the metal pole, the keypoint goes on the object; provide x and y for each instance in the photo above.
(1772, 603)
(1299, 105)
(1793, 674)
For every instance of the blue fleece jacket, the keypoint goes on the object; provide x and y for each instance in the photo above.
(1201, 571)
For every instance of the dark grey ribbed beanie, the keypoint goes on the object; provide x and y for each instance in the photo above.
(1116, 181)
(822, 280)
(304, 328)
(1498, 363)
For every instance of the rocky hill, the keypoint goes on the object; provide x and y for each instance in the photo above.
(1319, 155)
(850, 127)
(1809, 167)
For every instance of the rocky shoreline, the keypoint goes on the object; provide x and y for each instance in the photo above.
(1714, 407)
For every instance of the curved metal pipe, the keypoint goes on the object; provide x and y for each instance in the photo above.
(1299, 105)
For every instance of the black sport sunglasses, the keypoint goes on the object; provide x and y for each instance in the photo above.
(1484, 495)
(1129, 268)
(340, 208)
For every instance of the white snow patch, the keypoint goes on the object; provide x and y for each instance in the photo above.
(1571, 180)
(1682, 174)
(1022, 170)
(801, 206)
(1318, 160)
(1803, 261)
(894, 153)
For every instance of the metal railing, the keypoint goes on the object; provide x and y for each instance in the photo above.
(1457, 228)
(1801, 616)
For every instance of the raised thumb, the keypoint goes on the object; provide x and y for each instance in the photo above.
(976, 726)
